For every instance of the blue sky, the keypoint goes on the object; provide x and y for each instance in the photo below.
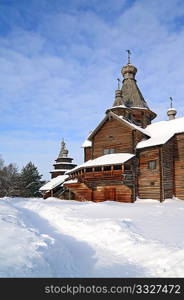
(59, 62)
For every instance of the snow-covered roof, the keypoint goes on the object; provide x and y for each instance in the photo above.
(54, 183)
(108, 159)
(133, 125)
(137, 107)
(127, 107)
(59, 170)
(171, 108)
(86, 144)
(63, 163)
(72, 181)
(117, 106)
(161, 132)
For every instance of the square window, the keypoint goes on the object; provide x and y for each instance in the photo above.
(152, 164)
(109, 151)
(106, 151)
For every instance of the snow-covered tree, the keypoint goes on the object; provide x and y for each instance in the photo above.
(30, 181)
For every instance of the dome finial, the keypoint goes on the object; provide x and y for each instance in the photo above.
(129, 71)
(171, 111)
(118, 83)
(129, 53)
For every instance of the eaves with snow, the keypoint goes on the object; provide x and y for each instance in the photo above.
(59, 180)
(105, 160)
(161, 132)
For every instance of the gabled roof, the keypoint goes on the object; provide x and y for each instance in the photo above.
(161, 132)
(105, 160)
(130, 124)
(88, 143)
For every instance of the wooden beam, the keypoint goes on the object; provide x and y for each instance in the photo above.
(162, 196)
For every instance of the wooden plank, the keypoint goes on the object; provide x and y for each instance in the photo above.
(114, 135)
(148, 180)
(179, 165)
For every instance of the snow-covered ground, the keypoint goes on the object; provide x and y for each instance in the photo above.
(53, 238)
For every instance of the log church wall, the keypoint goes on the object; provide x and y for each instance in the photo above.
(179, 166)
(149, 179)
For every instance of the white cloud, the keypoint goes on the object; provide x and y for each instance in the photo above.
(57, 79)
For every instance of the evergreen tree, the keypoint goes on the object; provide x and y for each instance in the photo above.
(30, 181)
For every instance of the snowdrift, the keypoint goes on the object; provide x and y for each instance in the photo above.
(53, 238)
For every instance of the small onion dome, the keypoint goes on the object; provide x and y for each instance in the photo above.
(129, 69)
(171, 113)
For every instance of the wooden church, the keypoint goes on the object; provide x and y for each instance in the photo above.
(127, 156)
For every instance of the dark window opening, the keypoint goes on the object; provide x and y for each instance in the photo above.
(127, 167)
(152, 164)
(89, 170)
(98, 169)
(107, 168)
(117, 167)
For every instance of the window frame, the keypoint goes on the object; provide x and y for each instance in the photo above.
(152, 164)
(107, 168)
(108, 151)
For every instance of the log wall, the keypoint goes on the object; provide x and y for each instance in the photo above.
(87, 153)
(179, 165)
(114, 135)
(119, 193)
(168, 169)
(101, 186)
(149, 180)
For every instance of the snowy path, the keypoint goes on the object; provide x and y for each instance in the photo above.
(46, 252)
(72, 239)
